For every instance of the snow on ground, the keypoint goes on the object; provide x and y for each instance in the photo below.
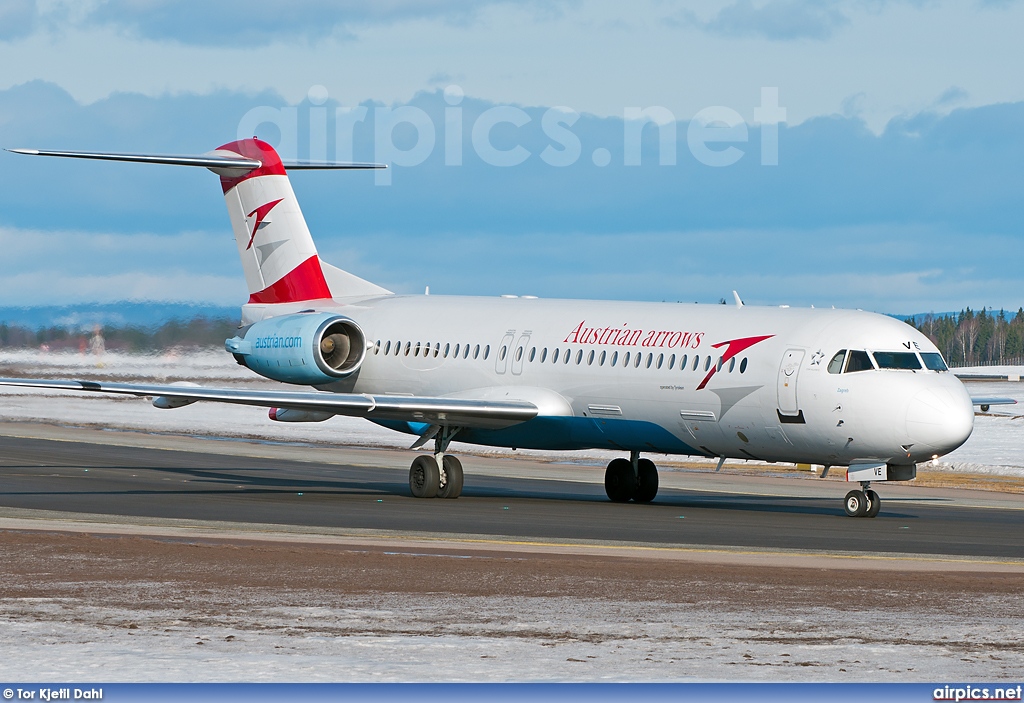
(997, 444)
(995, 447)
(389, 638)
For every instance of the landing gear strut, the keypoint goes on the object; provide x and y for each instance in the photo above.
(438, 475)
(862, 503)
(633, 479)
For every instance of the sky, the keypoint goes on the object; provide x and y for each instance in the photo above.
(858, 153)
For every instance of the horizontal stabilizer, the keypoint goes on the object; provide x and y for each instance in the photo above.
(212, 161)
(455, 412)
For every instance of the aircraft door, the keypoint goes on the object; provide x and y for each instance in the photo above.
(520, 353)
(788, 373)
(504, 349)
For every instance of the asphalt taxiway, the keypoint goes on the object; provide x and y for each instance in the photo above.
(67, 470)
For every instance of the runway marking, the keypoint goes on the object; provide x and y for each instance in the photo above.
(807, 558)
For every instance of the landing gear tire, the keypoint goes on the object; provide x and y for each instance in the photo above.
(647, 481)
(424, 477)
(620, 481)
(856, 504)
(451, 478)
(874, 504)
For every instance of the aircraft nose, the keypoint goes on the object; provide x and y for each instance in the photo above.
(940, 418)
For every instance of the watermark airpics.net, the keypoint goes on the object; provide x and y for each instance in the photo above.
(978, 693)
(715, 136)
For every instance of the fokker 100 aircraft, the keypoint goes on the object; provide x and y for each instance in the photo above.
(818, 386)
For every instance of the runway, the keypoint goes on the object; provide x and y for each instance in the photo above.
(128, 474)
(137, 556)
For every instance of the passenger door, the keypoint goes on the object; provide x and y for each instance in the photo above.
(789, 372)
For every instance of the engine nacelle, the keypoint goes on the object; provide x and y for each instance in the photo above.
(304, 348)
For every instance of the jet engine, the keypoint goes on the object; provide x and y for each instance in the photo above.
(303, 348)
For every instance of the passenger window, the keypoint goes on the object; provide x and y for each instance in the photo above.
(501, 354)
(544, 355)
(718, 366)
(661, 360)
(836, 365)
(696, 361)
(455, 354)
(437, 349)
(682, 363)
(416, 351)
(519, 354)
(650, 359)
(615, 359)
(408, 346)
(554, 357)
(625, 359)
(637, 360)
(732, 364)
(672, 361)
(447, 348)
(906, 361)
(707, 363)
(487, 352)
(743, 365)
(858, 361)
(600, 361)
(579, 357)
(533, 353)
(933, 360)
(590, 358)
(376, 347)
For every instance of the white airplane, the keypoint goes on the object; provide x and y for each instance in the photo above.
(778, 384)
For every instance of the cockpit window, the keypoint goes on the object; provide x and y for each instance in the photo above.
(836, 365)
(897, 360)
(933, 361)
(858, 361)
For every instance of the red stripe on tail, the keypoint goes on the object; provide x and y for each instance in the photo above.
(304, 282)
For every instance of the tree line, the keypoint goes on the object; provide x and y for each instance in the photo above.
(966, 338)
(196, 332)
(970, 338)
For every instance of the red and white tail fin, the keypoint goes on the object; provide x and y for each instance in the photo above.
(278, 255)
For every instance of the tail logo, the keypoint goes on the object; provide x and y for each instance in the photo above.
(261, 213)
(732, 348)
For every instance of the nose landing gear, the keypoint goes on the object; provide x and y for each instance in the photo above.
(862, 503)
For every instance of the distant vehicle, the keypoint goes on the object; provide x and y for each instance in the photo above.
(818, 386)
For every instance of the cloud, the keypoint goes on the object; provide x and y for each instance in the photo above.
(936, 194)
(17, 18)
(252, 23)
(61, 266)
(953, 94)
(776, 20)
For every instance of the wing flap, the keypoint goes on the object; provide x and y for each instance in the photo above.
(484, 414)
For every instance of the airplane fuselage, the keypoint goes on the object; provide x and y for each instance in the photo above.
(715, 380)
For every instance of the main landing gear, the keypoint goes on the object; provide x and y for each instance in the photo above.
(438, 475)
(862, 503)
(633, 479)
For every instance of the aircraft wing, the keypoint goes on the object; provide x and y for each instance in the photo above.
(985, 402)
(456, 412)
